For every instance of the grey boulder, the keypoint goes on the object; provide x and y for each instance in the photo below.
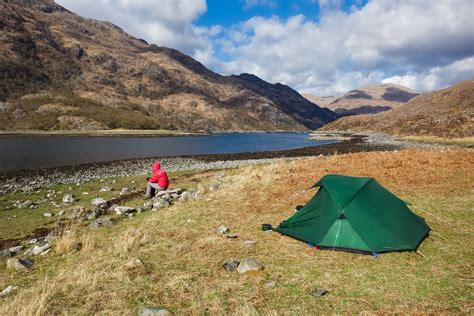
(249, 264)
(119, 210)
(19, 264)
(40, 248)
(69, 198)
(222, 229)
(103, 221)
(99, 202)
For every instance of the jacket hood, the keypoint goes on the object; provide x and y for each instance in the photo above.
(156, 166)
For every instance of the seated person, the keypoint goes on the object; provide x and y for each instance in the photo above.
(157, 182)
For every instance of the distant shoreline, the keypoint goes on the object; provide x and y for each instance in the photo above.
(126, 133)
(99, 133)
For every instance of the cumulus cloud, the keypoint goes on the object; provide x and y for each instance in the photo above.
(383, 39)
(436, 77)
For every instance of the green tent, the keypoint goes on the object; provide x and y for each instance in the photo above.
(356, 214)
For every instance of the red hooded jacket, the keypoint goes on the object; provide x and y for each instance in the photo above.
(159, 176)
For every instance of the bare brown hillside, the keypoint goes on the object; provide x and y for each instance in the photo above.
(445, 113)
(59, 70)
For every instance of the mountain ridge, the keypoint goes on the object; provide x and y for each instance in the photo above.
(446, 113)
(52, 56)
(366, 99)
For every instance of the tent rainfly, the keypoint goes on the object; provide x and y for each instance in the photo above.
(356, 214)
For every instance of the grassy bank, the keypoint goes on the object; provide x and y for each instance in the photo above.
(183, 255)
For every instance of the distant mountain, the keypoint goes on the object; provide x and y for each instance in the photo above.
(366, 100)
(445, 113)
(62, 71)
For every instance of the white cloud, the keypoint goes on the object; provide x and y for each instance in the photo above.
(344, 50)
(436, 77)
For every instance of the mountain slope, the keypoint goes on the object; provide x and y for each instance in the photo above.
(62, 71)
(445, 113)
(366, 100)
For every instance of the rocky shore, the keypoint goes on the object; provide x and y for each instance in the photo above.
(28, 181)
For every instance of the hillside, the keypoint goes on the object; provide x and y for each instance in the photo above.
(366, 100)
(173, 257)
(62, 71)
(447, 113)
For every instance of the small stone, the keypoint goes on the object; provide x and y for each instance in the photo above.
(148, 205)
(5, 253)
(249, 264)
(44, 253)
(112, 207)
(15, 250)
(85, 193)
(166, 196)
(124, 191)
(99, 202)
(106, 189)
(8, 290)
(103, 221)
(213, 186)
(26, 204)
(40, 248)
(48, 214)
(231, 265)
(250, 242)
(319, 292)
(270, 285)
(185, 196)
(161, 203)
(134, 263)
(19, 264)
(154, 311)
(222, 229)
(69, 198)
(32, 241)
(93, 214)
(60, 213)
(119, 210)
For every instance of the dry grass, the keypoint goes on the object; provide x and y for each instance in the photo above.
(183, 255)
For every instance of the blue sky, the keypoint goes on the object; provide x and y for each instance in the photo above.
(228, 12)
(322, 47)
